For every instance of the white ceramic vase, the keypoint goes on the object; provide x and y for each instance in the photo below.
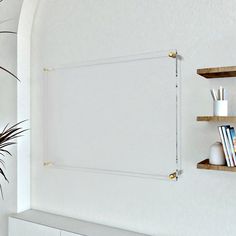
(217, 156)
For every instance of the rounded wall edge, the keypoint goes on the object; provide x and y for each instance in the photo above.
(26, 20)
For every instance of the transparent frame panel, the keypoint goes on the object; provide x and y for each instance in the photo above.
(115, 116)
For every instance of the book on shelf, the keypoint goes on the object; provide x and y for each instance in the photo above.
(224, 146)
(233, 136)
(230, 154)
(231, 145)
(228, 139)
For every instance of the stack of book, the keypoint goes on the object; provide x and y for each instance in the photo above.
(228, 139)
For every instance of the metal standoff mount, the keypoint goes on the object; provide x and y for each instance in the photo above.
(48, 69)
(173, 176)
(48, 163)
(172, 54)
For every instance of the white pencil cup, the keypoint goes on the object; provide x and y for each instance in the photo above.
(220, 108)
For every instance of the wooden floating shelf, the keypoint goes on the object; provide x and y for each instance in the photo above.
(206, 166)
(217, 72)
(217, 118)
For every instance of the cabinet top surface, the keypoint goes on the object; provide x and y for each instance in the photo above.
(72, 225)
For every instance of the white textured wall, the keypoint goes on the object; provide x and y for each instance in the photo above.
(66, 32)
(9, 11)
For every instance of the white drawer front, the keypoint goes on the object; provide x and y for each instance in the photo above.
(24, 228)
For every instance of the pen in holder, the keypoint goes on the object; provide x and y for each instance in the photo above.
(220, 108)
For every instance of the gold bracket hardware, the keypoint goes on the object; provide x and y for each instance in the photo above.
(173, 176)
(172, 54)
(47, 69)
(48, 163)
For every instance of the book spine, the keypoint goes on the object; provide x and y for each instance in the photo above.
(230, 157)
(224, 146)
(233, 136)
(231, 145)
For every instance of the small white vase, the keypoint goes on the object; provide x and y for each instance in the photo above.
(217, 156)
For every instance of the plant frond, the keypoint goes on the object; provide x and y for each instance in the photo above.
(1, 191)
(3, 163)
(7, 32)
(4, 150)
(3, 174)
(9, 72)
(7, 137)
(5, 128)
(6, 144)
(17, 124)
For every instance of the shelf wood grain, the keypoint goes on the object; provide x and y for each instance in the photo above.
(217, 118)
(217, 72)
(206, 166)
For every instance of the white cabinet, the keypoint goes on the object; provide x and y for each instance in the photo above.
(39, 223)
(64, 233)
(24, 228)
